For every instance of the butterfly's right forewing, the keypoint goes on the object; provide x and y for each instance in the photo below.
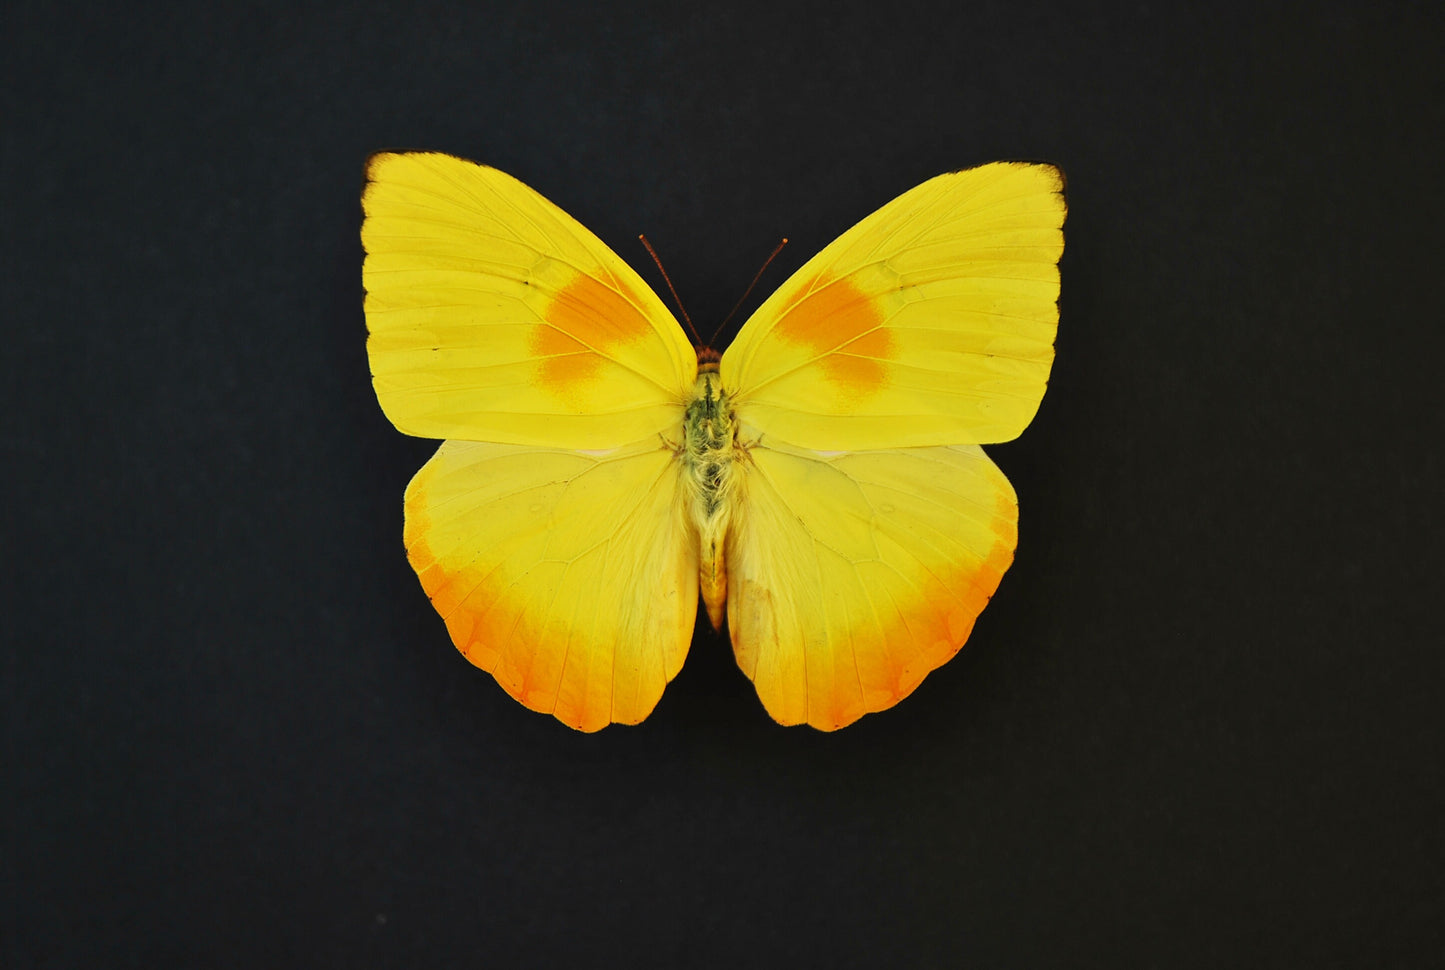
(930, 322)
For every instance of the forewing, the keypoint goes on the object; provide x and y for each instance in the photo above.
(495, 316)
(930, 322)
(571, 577)
(852, 575)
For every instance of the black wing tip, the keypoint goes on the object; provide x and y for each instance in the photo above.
(377, 158)
(1057, 169)
(370, 169)
(1061, 189)
(382, 155)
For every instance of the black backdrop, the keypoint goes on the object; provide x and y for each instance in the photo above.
(1196, 727)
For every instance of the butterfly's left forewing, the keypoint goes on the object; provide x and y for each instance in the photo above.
(496, 316)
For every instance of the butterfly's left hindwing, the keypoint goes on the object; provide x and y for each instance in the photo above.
(571, 577)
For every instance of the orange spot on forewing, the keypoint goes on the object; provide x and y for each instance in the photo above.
(841, 324)
(857, 364)
(566, 361)
(586, 321)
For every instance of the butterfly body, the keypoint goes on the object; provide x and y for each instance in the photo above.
(710, 449)
(819, 484)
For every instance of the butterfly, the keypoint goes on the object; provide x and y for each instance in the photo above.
(820, 483)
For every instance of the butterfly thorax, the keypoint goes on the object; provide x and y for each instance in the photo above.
(708, 441)
(708, 453)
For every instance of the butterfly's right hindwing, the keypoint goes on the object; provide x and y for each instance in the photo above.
(853, 575)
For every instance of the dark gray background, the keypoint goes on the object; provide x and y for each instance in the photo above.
(1198, 726)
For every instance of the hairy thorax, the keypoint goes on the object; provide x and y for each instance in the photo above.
(709, 450)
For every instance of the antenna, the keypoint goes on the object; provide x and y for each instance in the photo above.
(696, 340)
(766, 263)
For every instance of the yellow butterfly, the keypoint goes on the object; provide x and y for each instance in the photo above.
(821, 481)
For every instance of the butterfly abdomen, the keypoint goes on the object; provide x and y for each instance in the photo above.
(708, 454)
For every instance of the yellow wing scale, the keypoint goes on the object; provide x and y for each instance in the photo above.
(558, 535)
